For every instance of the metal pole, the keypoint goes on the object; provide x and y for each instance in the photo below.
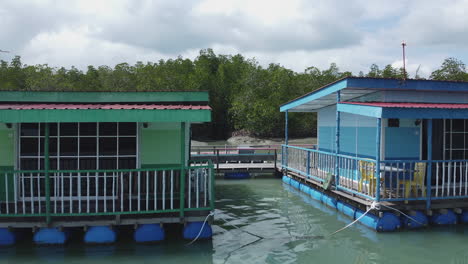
(429, 167)
(276, 156)
(286, 127)
(182, 169)
(377, 158)
(212, 188)
(46, 168)
(217, 160)
(403, 44)
(337, 140)
(284, 154)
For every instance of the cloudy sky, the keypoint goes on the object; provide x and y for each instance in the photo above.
(294, 33)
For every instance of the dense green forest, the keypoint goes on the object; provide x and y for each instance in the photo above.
(244, 95)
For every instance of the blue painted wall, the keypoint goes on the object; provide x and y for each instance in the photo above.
(357, 136)
(402, 142)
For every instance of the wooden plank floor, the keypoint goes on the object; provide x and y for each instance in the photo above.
(246, 166)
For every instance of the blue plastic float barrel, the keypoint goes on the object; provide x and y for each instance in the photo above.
(305, 188)
(346, 209)
(295, 184)
(328, 200)
(236, 175)
(447, 217)
(286, 179)
(420, 217)
(100, 235)
(316, 194)
(192, 230)
(149, 233)
(463, 217)
(7, 237)
(50, 236)
(388, 222)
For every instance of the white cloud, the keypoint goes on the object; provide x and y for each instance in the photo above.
(78, 48)
(296, 33)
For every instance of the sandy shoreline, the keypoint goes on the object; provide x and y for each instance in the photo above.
(246, 140)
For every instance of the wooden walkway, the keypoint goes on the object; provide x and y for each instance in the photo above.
(240, 159)
(246, 166)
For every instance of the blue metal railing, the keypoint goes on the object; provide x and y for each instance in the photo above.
(398, 180)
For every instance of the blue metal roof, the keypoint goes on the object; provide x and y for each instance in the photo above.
(353, 87)
(405, 110)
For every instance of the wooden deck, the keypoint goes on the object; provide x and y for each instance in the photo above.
(261, 159)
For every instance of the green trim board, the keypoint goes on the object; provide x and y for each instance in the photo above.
(7, 147)
(6, 185)
(104, 115)
(102, 97)
(159, 166)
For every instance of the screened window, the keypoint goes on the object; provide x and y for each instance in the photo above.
(455, 139)
(79, 146)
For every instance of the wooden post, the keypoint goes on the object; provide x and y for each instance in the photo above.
(276, 158)
(217, 161)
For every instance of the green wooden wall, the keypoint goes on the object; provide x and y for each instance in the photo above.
(7, 160)
(160, 145)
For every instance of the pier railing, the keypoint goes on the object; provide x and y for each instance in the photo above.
(390, 180)
(58, 193)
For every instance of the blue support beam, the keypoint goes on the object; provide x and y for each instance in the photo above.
(329, 89)
(401, 112)
(337, 141)
(377, 158)
(429, 165)
(363, 110)
(286, 128)
(284, 154)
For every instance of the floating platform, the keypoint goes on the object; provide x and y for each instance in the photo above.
(107, 234)
(379, 217)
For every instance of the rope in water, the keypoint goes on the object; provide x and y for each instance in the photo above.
(409, 217)
(201, 229)
(373, 206)
(376, 205)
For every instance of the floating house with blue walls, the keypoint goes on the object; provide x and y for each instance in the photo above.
(394, 149)
(96, 161)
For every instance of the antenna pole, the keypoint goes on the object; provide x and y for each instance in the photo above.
(403, 44)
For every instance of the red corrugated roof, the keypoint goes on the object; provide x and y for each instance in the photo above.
(411, 105)
(102, 106)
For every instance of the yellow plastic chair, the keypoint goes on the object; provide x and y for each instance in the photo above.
(367, 170)
(418, 180)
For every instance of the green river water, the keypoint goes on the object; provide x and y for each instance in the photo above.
(264, 221)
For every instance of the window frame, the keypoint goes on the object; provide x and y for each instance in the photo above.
(448, 147)
(78, 155)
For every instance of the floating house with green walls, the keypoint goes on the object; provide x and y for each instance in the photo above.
(100, 160)
(394, 150)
